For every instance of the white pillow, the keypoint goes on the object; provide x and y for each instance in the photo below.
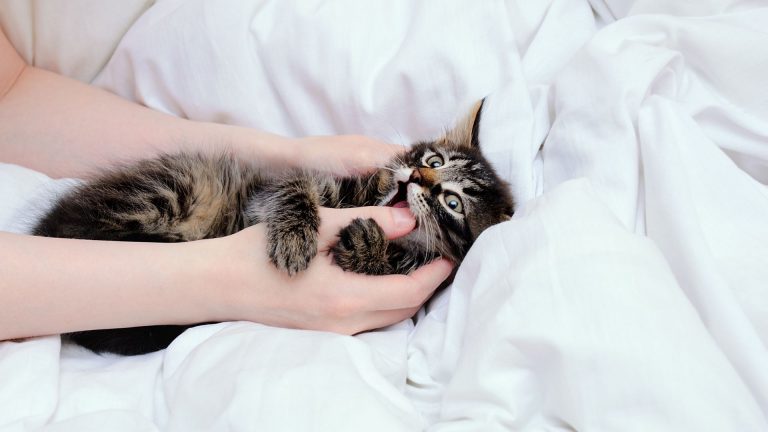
(73, 38)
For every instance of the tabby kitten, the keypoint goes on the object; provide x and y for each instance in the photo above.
(449, 186)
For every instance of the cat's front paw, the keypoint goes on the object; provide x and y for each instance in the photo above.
(362, 248)
(291, 248)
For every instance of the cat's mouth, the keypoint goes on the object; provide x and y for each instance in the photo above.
(400, 199)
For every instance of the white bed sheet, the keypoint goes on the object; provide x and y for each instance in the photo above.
(628, 292)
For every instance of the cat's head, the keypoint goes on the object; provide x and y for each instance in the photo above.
(450, 187)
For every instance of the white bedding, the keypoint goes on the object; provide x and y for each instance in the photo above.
(629, 292)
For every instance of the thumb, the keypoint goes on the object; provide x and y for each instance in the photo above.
(396, 222)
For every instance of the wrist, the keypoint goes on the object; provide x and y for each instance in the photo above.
(234, 277)
(264, 148)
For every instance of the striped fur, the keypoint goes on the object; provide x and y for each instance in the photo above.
(186, 197)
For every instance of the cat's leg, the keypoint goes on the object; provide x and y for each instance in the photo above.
(364, 248)
(290, 211)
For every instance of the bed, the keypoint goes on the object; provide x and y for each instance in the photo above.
(629, 292)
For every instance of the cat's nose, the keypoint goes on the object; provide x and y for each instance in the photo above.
(424, 177)
(415, 177)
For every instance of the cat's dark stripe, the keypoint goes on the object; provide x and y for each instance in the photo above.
(473, 192)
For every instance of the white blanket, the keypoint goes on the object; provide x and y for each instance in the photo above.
(629, 292)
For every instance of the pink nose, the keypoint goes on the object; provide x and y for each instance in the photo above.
(426, 177)
(415, 177)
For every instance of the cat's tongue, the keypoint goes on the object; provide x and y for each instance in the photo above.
(400, 204)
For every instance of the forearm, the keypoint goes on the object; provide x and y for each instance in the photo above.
(63, 127)
(51, 286)
(66, 128)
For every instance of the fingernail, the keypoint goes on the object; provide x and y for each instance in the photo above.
(403, 217)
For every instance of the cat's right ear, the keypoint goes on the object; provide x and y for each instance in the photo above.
(466, 131)
(476, 114)
(507, 211)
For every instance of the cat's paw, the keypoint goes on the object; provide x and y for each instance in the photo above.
(362, 248)
(291, 248)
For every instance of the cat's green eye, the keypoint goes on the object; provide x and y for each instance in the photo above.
(435, 161)
(453, 202)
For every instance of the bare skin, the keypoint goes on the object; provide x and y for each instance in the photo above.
(86, 128)
(47, 286)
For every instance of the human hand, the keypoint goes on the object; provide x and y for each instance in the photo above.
(344, 154)
(323, 297)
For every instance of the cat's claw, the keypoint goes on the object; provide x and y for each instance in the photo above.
(362, 248)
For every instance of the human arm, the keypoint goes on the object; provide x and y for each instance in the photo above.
(51, 285)
(48, 286)
(86, 128)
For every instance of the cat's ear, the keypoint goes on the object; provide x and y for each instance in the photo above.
(466, 131)
(508, 213)
(508, 210)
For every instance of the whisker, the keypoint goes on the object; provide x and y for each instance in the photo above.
(401, 140)
(364, 188)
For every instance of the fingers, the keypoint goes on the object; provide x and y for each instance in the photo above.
(396, 222)
(370, 152)
(418, 286)
(330, 299)
(432, 274)
(332, 153)
(392, 292)
(382, 153)
(399, 299)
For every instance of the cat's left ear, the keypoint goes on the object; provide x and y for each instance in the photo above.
(467, 129)
(505, 204)
(508, 212)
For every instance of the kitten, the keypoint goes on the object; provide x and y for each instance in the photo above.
(449, 186)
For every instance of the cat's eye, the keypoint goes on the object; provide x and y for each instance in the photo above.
(453, 202)
(435, 161)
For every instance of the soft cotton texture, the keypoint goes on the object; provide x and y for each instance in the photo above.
(627, 293)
